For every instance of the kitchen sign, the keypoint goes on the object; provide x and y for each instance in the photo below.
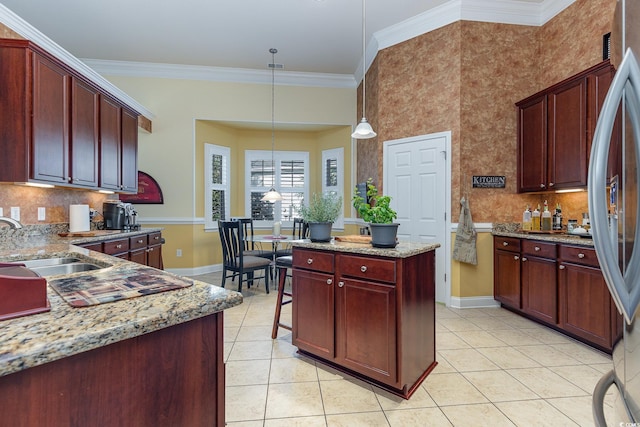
(489, 181)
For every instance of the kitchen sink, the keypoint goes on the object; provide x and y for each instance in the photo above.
(73, 267)
(59, 265)
(46, 262)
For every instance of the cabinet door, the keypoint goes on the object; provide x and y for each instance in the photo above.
(539, 288)
(139, 256)
(313, 313)
(567, 141)
(154, 257)
(50, 140)
(506, 271)
(366, 329)
(585, 304)
(110, 144)
(129, 163)
(84, 134)
(532, 145)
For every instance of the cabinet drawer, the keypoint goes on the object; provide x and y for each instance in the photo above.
(541, 249)
(579, 255)
(155, 238)
(379, 270)
(112, 247)
(313, 260)
(138, 242)
(511, 244)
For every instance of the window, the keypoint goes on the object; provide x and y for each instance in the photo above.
(333, 176)
(289, 175)
(216, 185)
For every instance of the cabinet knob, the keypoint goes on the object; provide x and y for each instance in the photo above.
(329, 281)
(561, 267)
(69, 179)
(505, 244)
(363, 268)
(140, 241)
(551, 184)
(542, 185)
(537, 248)
(119, 246)
(524, 259)
(157, 238)
(516, 257)
(580, 256)
(340, 284)
(309, 261)
(150, 249)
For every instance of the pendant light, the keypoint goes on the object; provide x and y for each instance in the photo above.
(364, 129)
(272, 195)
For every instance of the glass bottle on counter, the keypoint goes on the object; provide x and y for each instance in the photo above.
(546, 218)
(535, 219)
(526, 219)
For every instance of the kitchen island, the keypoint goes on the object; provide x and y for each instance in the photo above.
(366, 311)
(151, 360)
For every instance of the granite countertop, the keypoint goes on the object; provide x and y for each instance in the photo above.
(403, 250)
(64, 331)
(513, 230)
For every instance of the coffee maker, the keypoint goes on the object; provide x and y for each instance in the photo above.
(119, 216)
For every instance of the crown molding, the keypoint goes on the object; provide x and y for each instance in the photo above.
(26, 30)
(219, 74)
(497, 11)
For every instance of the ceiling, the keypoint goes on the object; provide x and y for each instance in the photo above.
(312, 36)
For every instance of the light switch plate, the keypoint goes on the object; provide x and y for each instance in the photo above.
(1, 212)
(15, 213)
(41, 214)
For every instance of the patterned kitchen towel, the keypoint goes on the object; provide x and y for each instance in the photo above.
(464, 248)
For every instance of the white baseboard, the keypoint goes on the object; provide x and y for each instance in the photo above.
(474, 302)
(196, 271)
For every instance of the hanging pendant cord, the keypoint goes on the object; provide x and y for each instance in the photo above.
(364, 60)
(273, 107)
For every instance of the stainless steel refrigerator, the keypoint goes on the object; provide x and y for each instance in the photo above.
(614, 206)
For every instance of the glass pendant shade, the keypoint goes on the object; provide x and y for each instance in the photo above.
(271, 196)
(363, 130)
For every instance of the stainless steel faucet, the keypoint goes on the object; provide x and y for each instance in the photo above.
(12, 222)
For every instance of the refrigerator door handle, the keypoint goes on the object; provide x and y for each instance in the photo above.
(599, 393)
(624, 290)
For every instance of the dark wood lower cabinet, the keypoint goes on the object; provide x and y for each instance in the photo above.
(145, 249)
(563, 289)
(372, 317)
(170, 377)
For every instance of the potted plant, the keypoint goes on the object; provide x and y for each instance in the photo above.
(321, 212)
(376, 211)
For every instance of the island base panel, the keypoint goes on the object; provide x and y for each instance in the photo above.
(170, 377)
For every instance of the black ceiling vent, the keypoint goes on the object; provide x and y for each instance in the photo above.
(606, 46)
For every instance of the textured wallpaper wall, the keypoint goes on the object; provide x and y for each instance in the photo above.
(466, 78)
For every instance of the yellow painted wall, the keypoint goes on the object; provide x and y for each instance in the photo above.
(188, 114)
(469, 280)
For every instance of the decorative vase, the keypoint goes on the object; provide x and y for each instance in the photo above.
(384, 235)
(320, 231)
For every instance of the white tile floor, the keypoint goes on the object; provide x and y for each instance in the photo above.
(494, 369)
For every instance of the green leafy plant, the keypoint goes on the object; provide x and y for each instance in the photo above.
(323, 207)
(376, 208)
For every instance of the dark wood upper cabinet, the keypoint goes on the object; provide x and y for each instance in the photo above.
(53, 124)
(50, 122)
(555, 128)
(84, 134)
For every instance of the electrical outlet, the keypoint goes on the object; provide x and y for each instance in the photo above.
(1, 212)
(42, 212)
(15, 213)
(178, 252)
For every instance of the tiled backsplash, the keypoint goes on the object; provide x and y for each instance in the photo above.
(55, 201)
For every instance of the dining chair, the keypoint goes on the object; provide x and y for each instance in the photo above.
(300, 230)
(250, 247)
(235, 261)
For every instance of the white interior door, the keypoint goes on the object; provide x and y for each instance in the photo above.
(416, 174)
